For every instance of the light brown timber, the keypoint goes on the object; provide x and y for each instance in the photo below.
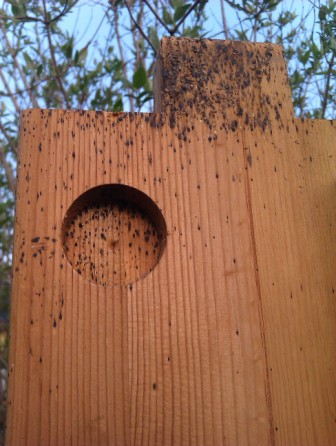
(224, 330)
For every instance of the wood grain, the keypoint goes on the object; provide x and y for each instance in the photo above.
(225, 334)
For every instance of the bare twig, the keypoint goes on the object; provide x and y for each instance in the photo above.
(3, 361)
(19, 92)
(93, 37)
(327, 87)
(9, 91)
(8, 170)
(182, 19)
(240, 22)
(52, 53)
(171, 31)
(18, 66)
(158, 18)
(122, 57)
(254, 29)
(35, 19)
(10, 140)
(226, 32)
(139, 27)
(303, 91)
(140, 54)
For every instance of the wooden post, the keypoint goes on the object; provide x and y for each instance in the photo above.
(174, 273)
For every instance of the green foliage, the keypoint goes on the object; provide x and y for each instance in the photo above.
(180, 11)
(19, 8)
(308, 37)
(167, 17)
(139, 78)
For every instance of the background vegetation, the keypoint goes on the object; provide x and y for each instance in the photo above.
(48, 60)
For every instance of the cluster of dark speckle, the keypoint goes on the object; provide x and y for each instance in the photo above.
(207, 77)
(110, 243)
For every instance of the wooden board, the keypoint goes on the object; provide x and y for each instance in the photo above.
(173, 277)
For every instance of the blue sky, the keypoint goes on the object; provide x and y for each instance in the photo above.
(89, 14)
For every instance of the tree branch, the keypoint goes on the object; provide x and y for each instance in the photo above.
(157, 16)
(116, 18)
(9, 138)
(8, 170)
(327, 87)
(140, 54)
(45, 22)
(139, 27)
(52, 53)
(9, 91)
(182, 19)
(18, 66)
(254, 28)
(226, 32)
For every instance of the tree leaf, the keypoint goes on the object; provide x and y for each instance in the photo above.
(175, 3)
(18, 8)
(28, 60)
(153, 35)
(167, 17)
(180, 11)
(82, 54)
(139, 78)
(192, 32)
(303, 56)
(39, 70)
(76, 57)
(118, 105)
(322, 14)
(68, 50)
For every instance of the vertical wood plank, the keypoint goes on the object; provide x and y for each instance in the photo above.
(190, 298)
(289, 177)
(294, 216)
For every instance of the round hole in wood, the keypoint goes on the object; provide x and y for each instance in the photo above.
(113, 234)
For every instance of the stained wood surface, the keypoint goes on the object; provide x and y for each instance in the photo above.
(220, 329)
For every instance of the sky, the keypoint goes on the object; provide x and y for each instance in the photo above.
(87, 21)
(88, 16)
